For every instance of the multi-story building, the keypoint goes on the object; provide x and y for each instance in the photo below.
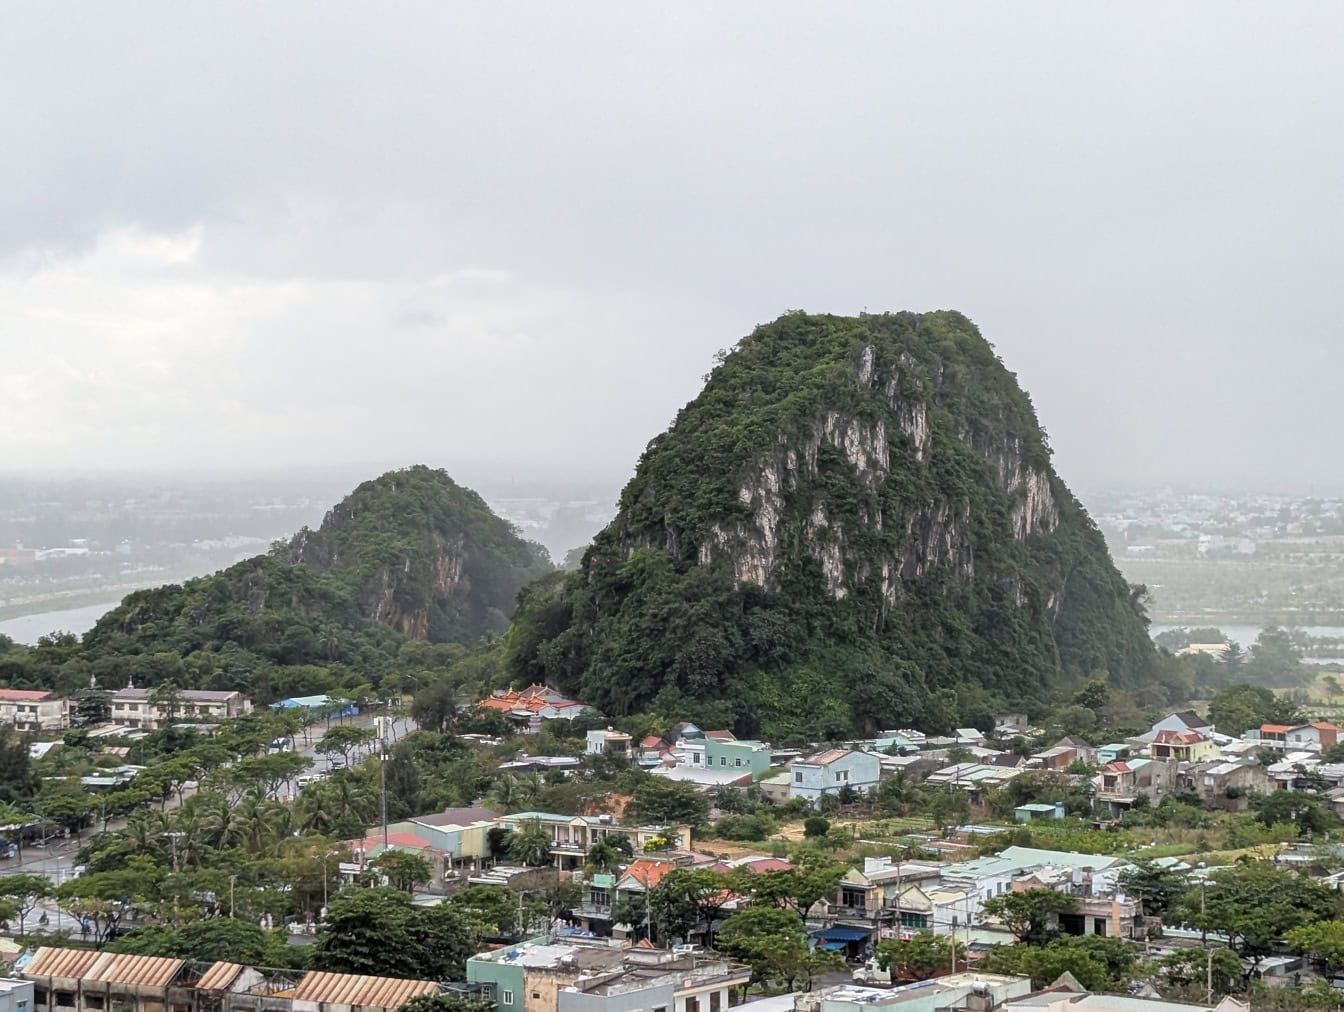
(34, 709)
(1183, 746)
(572, 835)
(608, 742)
(1224, 785)
(550, 975)
(145, 708)
(1120, 782)
(831, 772)
(752, 756)
(980, 991)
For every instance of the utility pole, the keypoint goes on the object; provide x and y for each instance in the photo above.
(1209, 994)
(232, 880)
(382, 774)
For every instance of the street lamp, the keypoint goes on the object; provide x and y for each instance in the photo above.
(232, 880)
(175, 835)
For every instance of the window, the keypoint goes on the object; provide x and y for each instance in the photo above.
(837, 778)
(506, 997)
(798, 777)
(715, 1001)
(845, 774)
(692, 1005)
(537, 994)
(660, 1008)
(737, 762)
(94, 1001)
(723, 760)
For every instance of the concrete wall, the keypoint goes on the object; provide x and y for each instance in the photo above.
(645, 999)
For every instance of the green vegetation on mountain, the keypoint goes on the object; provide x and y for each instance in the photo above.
(855, 523)
(403, 574)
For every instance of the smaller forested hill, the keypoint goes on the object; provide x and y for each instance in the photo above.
(855, 523)
(410, 554)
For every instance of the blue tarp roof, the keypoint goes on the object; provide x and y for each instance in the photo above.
(832, 946)
(842, 935)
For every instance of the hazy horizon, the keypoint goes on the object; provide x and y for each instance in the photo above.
(510, 240)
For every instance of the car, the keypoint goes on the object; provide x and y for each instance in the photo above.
(337, 764)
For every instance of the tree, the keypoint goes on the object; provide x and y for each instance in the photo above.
(772, 942)
(165, 699)
(530, 844)
(403, 869)
(344, 739)
(815, 825)
(706, 890)
(609, 853)
(440, 1002)
(1239, 707)
(1031, 915)
(1254, 905)
(1296, 807)
(920, 957)
(378, 931)
(1321, 940)
(492, 910)
(1188, 971)
(24, 891)
(1044, 964)
(660, 801)
(434, 706)
(947, 807)
(1155, 886)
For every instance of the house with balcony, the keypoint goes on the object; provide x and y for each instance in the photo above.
(149, 710)
(1273, 736)
(1100, 910)
(1183, 746)
(34, 710)
(609, 742)
(572, 835)
(870, 898)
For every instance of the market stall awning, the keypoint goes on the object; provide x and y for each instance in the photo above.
(843, 935)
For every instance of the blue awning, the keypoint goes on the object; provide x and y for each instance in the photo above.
(832, 946)
(843, 935)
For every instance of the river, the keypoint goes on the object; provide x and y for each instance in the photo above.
(27, 628)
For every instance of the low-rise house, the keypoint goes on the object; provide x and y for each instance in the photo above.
(1184, 720)
(1035, 811)
(986, 877)
(150, 710)
(1227, 786)
(15, 995)
(974, 778)
(752, 756)
(526, 709)
(1101, 910)
(1056, 759)
(34, 709)
(970, 736)
(1120, 782)
(831, 772)
(870, 898)
(979, 991)
(1083, 750)
(555, 975)
(1273, 736)
(459, 838)
(1317, 736)
(609, 742)
(81, 980)
(1109, 753)
(705, 777)
(572, 835)
(1183, 746)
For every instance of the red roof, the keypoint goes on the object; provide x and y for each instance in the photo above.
(649, 873)
(767, 864)
(652, 741)
(1119, 766)
(1273, 728)
(1179, 737)
(25, 695)
(393, 840)
(1325, 725)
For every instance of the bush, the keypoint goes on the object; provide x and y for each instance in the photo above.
(745, 827)
(816, 825)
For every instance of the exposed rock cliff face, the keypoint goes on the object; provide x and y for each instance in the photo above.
(410, 550)
(881, 487)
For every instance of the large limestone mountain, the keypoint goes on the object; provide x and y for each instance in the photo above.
(411, 551)
(855, 523)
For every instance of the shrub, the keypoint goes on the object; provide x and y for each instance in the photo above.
(816, 825)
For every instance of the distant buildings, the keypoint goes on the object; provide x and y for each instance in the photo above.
(34, 709)
(142, 708)
(526, 709)
(831, 772)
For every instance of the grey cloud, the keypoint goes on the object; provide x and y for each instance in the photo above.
(520, 231)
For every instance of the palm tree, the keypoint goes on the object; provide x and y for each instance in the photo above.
(256, 821)
(608, 853)
(330, 638)
(530, 844)
(506, 794)
(316, 815)
(220, 819)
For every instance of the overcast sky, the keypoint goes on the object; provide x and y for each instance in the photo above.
(515, 234)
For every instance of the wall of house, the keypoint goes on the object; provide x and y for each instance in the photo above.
(644, 999)
(501, 977)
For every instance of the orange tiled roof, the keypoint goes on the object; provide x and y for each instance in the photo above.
(1274, 728)
(649, 873)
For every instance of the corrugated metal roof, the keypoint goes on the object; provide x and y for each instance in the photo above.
(359, 989)
(137, 971)
(50, 961)
(219, 976)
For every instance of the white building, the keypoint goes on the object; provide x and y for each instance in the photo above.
(133, 707)
(831, 772)
(608, 742)
(34, 709)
